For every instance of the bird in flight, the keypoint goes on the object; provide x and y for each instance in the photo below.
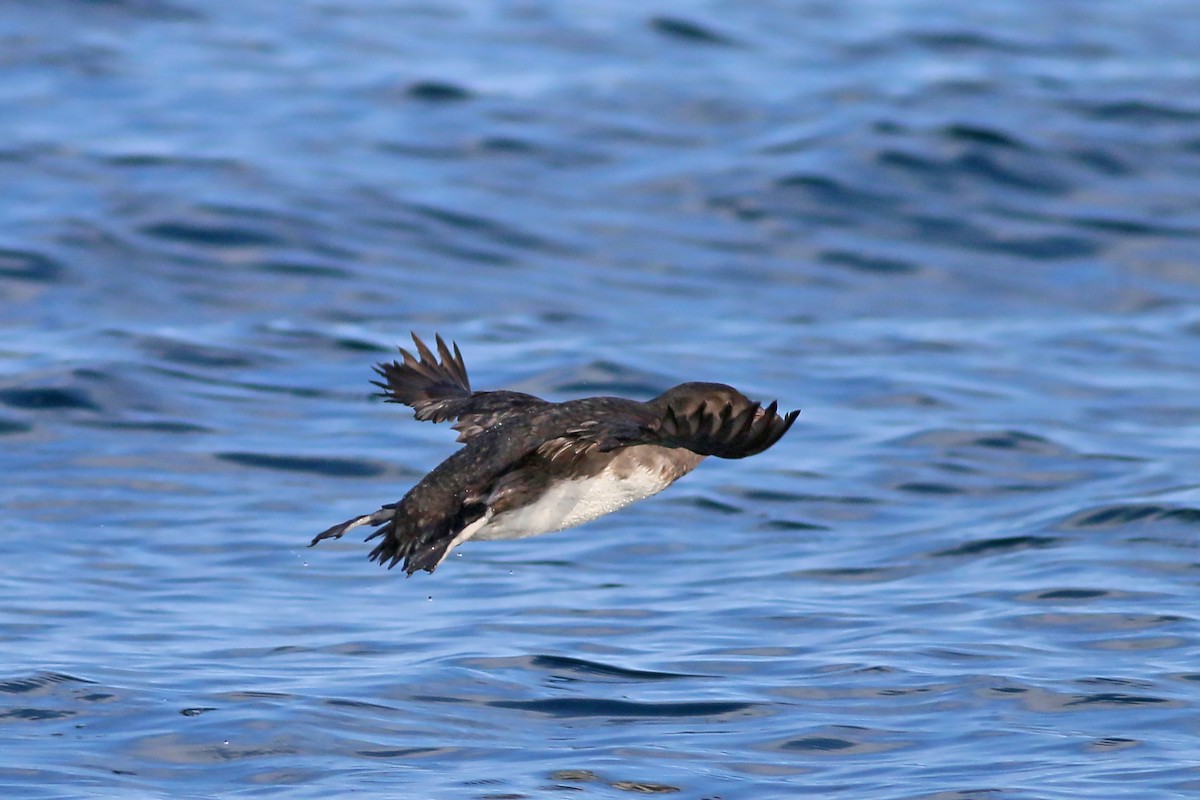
(528, 466)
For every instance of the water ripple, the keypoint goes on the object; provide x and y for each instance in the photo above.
(579, 707)
(331, 467)
(1120, 515)
(962, 238)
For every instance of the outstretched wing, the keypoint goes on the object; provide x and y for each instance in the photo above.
(727, 431)
(437, 389)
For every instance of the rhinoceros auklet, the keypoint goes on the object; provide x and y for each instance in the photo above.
(528, 466)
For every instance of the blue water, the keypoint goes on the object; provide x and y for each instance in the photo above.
(963, 238)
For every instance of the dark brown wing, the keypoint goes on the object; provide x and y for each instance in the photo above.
(598, 435)
(725, 432)
(437, 389)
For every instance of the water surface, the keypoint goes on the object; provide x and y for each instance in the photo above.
(963, 240)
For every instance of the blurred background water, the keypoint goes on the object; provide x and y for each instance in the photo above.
(962, 237)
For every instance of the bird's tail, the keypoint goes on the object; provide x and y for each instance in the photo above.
(416, 552)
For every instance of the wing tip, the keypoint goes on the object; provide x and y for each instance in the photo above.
(420, 379)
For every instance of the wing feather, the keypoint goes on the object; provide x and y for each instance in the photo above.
(437, 388)
(725, 432)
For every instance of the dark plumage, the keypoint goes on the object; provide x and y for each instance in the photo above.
(528, 466)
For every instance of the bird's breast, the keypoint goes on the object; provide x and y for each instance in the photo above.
(635, 474)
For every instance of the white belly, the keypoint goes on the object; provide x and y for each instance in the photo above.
(575, 502)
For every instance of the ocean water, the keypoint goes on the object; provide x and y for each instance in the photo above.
(963, 238)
